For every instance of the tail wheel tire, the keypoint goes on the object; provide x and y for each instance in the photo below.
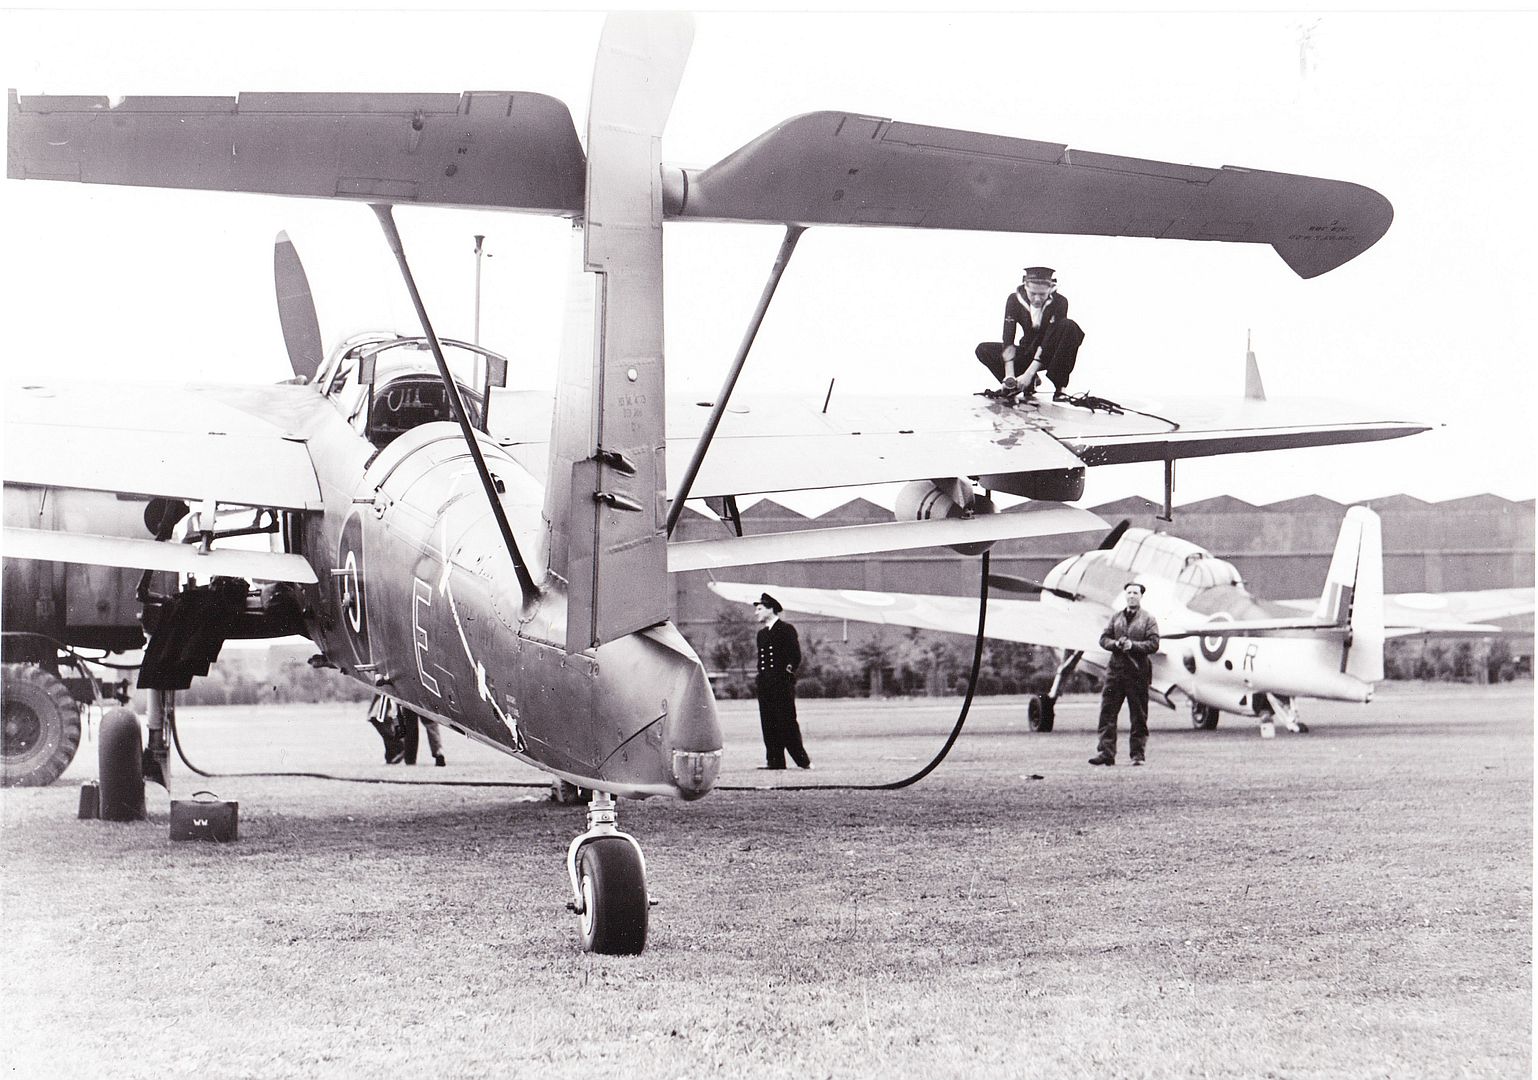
(1040, 712)
(120, 766)
(614, 904)
(41, 727)
(1204, 717)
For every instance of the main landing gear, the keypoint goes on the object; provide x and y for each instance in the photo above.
(1041, 710)
(1204, 717)
(124, 763)
(1270, 706)
(608, 883)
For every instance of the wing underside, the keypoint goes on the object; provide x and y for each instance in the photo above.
(162, 441)
(1060, 627)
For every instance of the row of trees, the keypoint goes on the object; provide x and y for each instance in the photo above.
(904, 664)
(914, 663)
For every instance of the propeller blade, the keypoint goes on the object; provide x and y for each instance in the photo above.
(1010, 583)
(393, 236)
(1114, 535)
(296, 310)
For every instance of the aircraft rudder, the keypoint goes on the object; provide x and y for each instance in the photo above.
(1364, 648)
(1352, 598)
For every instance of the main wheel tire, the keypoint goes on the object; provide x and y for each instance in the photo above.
(120, 766)
(614, 904)
(1204, 717)
(41, 727)
(1040, 712)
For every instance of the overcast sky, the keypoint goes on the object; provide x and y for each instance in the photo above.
(1434, 110)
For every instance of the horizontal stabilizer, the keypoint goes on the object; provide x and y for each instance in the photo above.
(514, 151)
(92, 550)
(1445, 613)
(1255, 628)
(837, 168)
(1041, 519)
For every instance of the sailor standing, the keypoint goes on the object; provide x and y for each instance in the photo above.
(779, 657)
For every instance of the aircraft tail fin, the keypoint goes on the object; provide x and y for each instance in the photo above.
(1253, 389)
(1353, 594)
(606, 501)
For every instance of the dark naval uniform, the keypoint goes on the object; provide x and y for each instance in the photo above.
(1126, 679)
(779, 657)
(1057, 338)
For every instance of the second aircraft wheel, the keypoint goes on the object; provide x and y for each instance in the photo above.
(614, 903)
(1204, 717)
(1040, 712)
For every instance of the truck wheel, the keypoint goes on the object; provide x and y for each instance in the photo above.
(41, 726)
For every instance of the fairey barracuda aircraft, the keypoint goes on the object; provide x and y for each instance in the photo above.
(510, 580)
(1221, 649)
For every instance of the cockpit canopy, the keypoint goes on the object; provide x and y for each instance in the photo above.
(386, 384)
(1185, 570)
(1172, 559)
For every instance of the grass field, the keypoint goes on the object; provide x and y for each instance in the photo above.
(1355, 902)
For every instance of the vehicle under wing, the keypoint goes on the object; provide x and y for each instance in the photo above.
(187, 443)
(1061, 627)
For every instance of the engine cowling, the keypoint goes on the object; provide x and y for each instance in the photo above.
(932, 500)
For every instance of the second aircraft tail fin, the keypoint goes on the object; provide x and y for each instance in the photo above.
(1353, 594)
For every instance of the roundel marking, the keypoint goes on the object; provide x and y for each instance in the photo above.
(1213, 645)
(352, 590)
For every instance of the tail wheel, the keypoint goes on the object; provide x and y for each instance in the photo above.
(120, 766)
(1204, 717)
(41, 727)
(1040, 712)
(614, 903)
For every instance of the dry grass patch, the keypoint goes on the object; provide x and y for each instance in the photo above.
(1351, 903)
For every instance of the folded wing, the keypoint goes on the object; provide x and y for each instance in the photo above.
(838, 168)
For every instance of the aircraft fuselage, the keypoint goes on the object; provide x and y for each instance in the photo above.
(1186, 586)
(417, 597)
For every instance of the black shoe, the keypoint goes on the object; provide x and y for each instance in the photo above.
(1102, 759)
(438, 760)
(807, 766)
(395, 757)
(1137, 759)
(771, 768)
(1059, 395)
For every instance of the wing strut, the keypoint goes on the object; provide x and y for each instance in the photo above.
(781, 261)
(525, 580)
